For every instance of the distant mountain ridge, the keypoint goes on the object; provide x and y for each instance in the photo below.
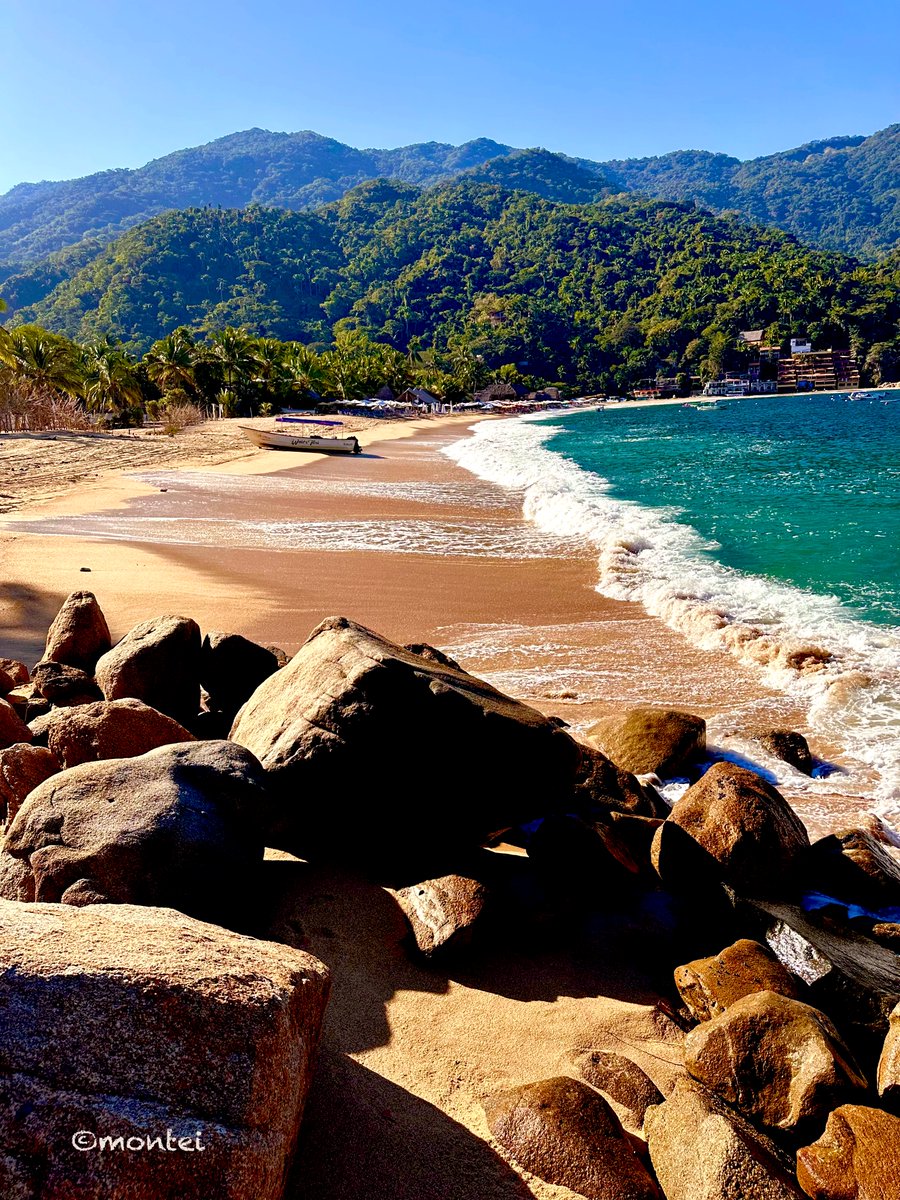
(841, 193)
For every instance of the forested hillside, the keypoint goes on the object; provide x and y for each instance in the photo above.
(843, 194)
(603, 293)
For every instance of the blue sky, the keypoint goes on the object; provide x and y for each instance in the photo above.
(92, 84)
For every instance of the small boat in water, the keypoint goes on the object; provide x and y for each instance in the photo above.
(284, 437)
(865, 396)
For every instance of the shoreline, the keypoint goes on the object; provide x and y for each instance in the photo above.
(756, 396)
(523, 612)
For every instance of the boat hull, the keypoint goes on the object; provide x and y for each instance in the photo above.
(270, 440)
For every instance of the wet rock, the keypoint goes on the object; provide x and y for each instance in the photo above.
(852, 978)
(650, 740)
(12, 728)
(158, 662)
(789, 746)
(778, 1060)
(565, 1133)
(22, 768)
(176, 827)
(745, 825)
(129, 1022)
(887, 933)
(702, 1149)
(442, 913)
(889, 1062)
(231, 669)
(855, 1158)
(379, 755)
(855, 866)
(63, 685)
(109, 729)
(79, 634)
(17, 671)
(709, 986)
(623, 1082)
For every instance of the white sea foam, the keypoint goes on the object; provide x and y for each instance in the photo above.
(845, 670)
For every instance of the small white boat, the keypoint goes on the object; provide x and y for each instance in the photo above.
(865, 396)
(287, 438)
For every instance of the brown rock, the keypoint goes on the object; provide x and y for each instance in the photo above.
(110, 729)
(176, 827)
(565, 1133)
(855, 1158)
(12, 728)
(64, 685)
(28, 702)
(778, 1060)
(79, 633)
(281, 657)
(650, 740)
(22, 768)
(602, 787)
(623, 1082)
(745, 825)
(703, 1150)
(231, 669)
(889, 1062)
(376, 754)
(442, 913)
(789, 746)
(158, 662)
(887, 933)
(855, 866)
(708, 986)
(7, 683)
(129, 1022)
(17, 671)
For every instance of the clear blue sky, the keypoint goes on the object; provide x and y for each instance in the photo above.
(91, 84)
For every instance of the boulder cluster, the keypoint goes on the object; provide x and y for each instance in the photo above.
(141, 783)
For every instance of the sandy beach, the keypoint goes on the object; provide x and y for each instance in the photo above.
(407, 542)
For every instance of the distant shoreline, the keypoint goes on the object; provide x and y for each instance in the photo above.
(754, 396)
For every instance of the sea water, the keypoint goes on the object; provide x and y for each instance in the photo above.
(768, 528)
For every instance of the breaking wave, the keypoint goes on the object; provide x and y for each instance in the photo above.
(846, 671)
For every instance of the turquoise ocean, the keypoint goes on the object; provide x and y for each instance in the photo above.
(768, 528)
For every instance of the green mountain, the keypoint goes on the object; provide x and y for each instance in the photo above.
(613, 290)
(290, 170)
(842, 194)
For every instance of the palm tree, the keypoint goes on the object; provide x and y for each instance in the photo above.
(170, 363)
(38, 358)
(232, 350)
(307, 371)
(111, 382)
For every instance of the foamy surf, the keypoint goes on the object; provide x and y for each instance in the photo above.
(846, 671)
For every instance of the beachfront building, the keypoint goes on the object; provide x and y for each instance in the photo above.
(416, 397)
(808, 370)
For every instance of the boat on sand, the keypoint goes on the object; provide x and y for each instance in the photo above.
(291, 433)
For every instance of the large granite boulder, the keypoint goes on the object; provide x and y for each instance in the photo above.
(64, 685)
(855, 1158)
(603, 788)
(849, 976)
(109, 729)
(381, 755)
(177, 827)
(629, 1089)
(702, 1149)
(134, 1023)
(79, 633)
(565, 1133)
(22, 768)
(791, 747)
(12, 728)
(889, 1061)
(231, 669)
(157, 661)
(778, 1060)
(650, 741)
(708, 986)
(745, 825)
(442, 913)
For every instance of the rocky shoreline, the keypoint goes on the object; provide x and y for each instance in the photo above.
(144, 990)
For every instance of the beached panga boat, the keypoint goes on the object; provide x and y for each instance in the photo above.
(290, 434)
